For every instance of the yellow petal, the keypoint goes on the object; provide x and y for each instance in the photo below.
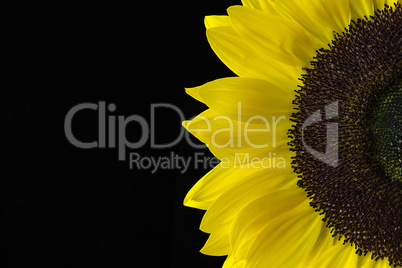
(233, 263)
(248, 185)
(225, 176)
(275, 36)
(380, 4)
(256, 216)
(217, 245)
(338, 256)
(247, 61)
(209, 188)
(243, 98)
(367, 262)
(323, 243)
(361, 8)
(262, 5)
(216, 21)
(228, 138)
(285, 230)
(335, 15)
(321, 18)
(193, 92)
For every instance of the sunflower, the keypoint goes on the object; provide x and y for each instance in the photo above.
(308, 134)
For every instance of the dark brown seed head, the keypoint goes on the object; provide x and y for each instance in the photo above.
(360, 195)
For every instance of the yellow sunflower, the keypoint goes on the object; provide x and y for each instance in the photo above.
(308, 134)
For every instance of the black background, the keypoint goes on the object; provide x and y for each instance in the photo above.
(68, 207)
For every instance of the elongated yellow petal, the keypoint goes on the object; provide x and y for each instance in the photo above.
(246, 61)
(217, 244)
(225, 176)
(361, 8)
(287, 232)
(193, 92)
(256, 216)
(321, 18)
(368, 262)
(209, 188)
(233, 263)
(323, 243)
(379, 4)
(263, 5)
(335, 15)
(227, 138)
(251, 184)
(278, 37)
(338, 256)
(243, 98)
(216, 21)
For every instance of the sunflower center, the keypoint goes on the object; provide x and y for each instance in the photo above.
(385, 130)
(347, 134)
